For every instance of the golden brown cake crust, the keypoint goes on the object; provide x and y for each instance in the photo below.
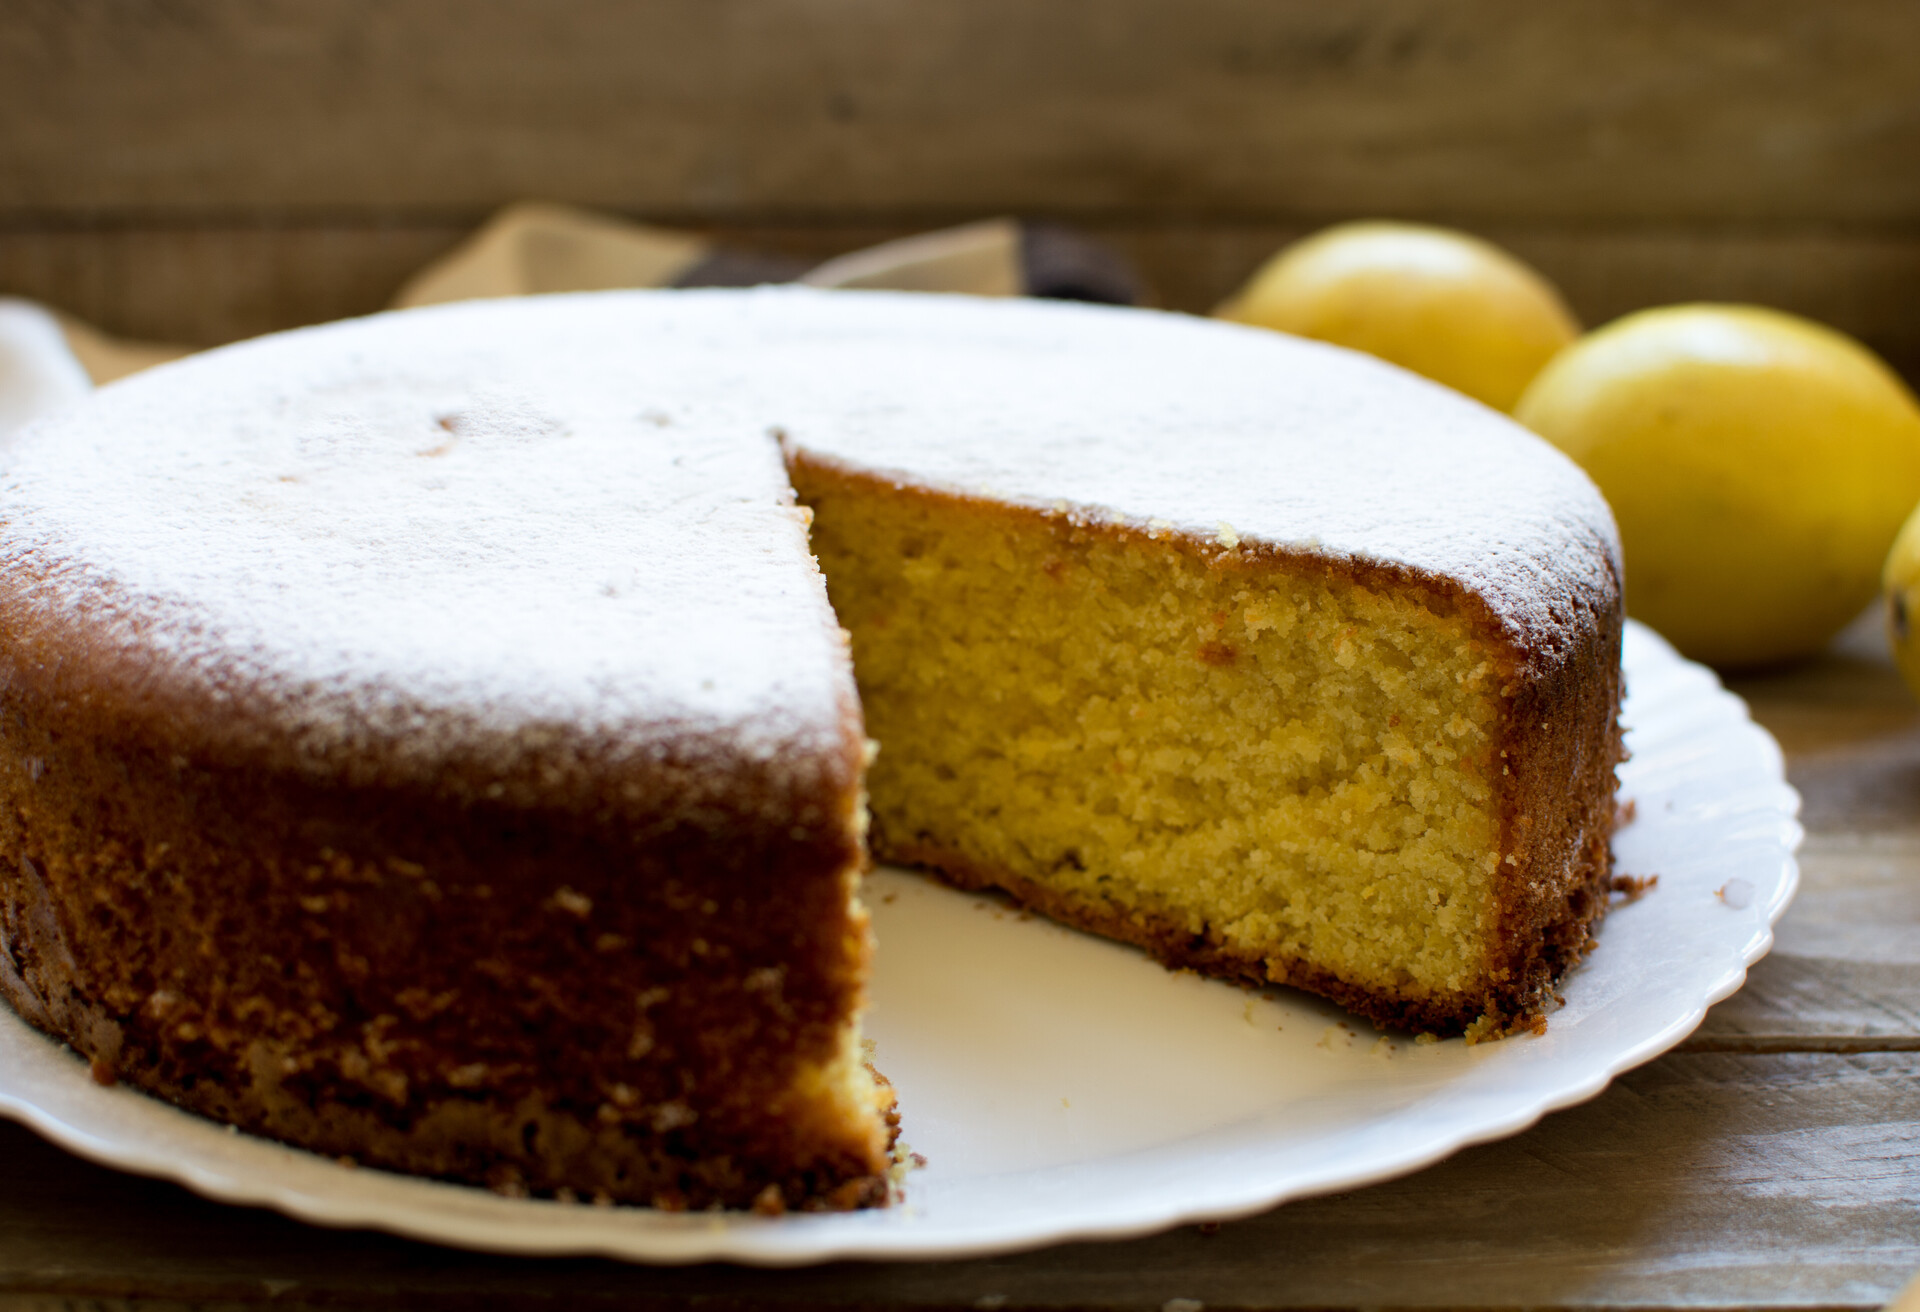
(524, 1000)
(1562, 746)
(521, 1000)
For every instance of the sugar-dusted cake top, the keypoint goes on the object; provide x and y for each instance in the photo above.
(1208, 428)
(487, 527)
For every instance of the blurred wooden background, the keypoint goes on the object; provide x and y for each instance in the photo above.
(202, 170)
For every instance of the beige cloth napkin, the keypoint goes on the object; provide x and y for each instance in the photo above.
(537, 247)
(980, 259)
(106, 358)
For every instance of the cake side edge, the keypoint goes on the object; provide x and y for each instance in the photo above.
(284, 964)
(1562, 744)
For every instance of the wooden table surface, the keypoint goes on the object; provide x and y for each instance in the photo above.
(1773, 1159)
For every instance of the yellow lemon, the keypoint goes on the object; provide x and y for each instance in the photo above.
(1758, 464)
(1452, 307)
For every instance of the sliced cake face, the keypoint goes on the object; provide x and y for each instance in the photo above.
(1250, 763)
(1272, 761)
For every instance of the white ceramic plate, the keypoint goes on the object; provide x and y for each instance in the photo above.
(1061, 1087)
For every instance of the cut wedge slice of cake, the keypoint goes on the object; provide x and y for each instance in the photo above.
(1280, 663)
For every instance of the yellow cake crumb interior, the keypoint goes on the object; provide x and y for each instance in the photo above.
(1275, 758)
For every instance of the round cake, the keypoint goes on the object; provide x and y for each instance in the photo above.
(430, 739)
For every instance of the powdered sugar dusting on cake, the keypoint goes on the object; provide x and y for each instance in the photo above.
(1165, 420)
(567, 516)
(441, 529)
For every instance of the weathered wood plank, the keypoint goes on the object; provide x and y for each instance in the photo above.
(1701, 1181)
(1586, 109)
(216, 282)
